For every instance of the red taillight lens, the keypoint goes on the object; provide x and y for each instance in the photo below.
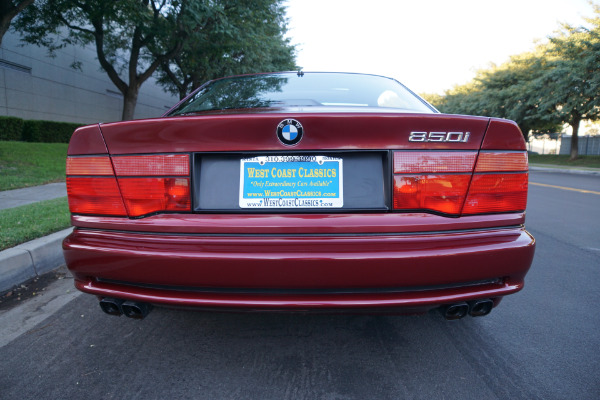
(99, 195)
(497, 193)
(441, 193)
(499, 183)
(148, 195)
(432, 180)
(93, 188)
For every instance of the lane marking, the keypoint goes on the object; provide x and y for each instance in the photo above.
(564, 188)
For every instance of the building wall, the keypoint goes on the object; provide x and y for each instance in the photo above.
(36, 86)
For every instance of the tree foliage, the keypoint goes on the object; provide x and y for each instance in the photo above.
(251, 39)
(132, 37)
(190, 40)
(9, 10)
(570, 87)
(557, 83)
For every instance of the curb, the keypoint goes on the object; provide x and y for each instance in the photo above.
(549, 168)
(28, 260)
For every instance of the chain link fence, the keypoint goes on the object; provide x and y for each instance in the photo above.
(561, 144)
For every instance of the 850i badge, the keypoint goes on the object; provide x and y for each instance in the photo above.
(290, 131)
(462, 137)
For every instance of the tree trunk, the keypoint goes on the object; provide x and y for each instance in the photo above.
(4, 25)
(129, 102)
(8, 11)
(575, 138)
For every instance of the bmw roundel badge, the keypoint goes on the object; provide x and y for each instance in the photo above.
(289, 131)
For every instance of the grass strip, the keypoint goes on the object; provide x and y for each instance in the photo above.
(24, 164)
(582, 161)
(24, 223)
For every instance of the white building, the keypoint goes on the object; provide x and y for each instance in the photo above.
(36, 86)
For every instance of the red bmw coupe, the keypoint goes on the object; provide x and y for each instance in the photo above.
(300, 192)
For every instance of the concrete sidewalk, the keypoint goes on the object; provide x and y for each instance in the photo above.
(31, 259)
(39, 256)
(21, 197)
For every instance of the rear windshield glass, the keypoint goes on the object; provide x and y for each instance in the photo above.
(302, 90)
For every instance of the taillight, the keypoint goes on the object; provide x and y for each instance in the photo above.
(97, 195)
(152, 165)
(92, 187)
(143, 184)
(455, 183)
(147, 195)
(432, 180)
(499, 183)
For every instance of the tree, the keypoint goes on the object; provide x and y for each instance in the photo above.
(251, 39)
(506, 91)
(558, 83)
(8, 10)
(132, 37)
(570, 89)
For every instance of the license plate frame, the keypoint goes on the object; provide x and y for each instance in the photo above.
(291, 182)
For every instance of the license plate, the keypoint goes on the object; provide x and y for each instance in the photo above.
(291, 182)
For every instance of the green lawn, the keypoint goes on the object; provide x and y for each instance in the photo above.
(24, 223)
(24, 164)
(582, 161)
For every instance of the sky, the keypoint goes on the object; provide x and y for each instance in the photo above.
(429, 45)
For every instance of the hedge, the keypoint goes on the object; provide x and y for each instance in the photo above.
(12, 128)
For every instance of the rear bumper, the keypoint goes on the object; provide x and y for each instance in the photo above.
(390, 272)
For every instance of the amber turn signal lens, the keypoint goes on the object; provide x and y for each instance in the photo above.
(94, 165)
(502, 161)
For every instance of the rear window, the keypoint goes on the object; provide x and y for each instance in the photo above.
(302, 90)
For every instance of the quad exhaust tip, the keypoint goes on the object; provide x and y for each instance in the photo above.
(476, 308)
(131, 309)
(479, 308)
(455, 311)
(112, 306)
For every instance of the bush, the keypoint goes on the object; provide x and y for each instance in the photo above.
(31, 131)
(11, 128)
(48, 131)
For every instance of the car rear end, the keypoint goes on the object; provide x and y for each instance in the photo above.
(368, 212)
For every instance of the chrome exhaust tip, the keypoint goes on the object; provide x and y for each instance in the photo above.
(136, 310)
(479, 308)
(112, 306)
(455, 311)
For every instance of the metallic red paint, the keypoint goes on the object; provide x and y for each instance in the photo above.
(87, 140)
(255, 132)
(329, 262)
(323, 224)
(502, 135)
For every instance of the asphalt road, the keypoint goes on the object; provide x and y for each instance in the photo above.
(542, 343)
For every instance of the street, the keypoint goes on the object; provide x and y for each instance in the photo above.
(541, 343)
